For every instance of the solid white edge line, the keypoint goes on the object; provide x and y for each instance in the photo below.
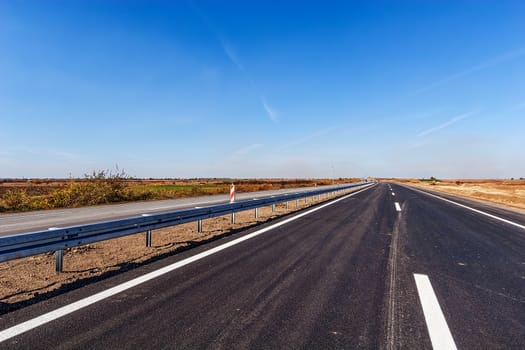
(474, 210)
(438, 330)
(82, 303)
(398, 207)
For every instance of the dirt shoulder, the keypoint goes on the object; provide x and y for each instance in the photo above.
(29, 280)
(508, 193)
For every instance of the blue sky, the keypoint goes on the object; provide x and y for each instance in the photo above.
(263, 89)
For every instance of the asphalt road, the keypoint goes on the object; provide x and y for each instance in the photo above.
(341, 277)
(44, 219)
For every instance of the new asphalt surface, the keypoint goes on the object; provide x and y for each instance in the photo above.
(341, 277)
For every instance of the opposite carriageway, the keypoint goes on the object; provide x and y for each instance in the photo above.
(58, 239)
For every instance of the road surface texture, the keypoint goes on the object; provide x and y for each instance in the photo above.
(386, 268)
(44, 219)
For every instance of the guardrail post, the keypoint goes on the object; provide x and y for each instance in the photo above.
(286, 205)
(148, 238)
(256, 213)
(273, 208)
(199, 226)
(296, 203)
(233, 218)
(59, 261)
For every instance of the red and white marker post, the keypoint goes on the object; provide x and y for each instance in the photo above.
(232, 193)
(232, 199)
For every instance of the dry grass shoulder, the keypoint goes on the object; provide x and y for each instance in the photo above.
(505, 192)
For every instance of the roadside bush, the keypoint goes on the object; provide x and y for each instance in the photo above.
(17, 200)
(99, 187)
(103, 187)
(65, 197)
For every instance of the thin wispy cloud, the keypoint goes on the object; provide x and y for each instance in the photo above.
(248, 149)
(307, 138)
(234, 58)
(509, 56)
(65, 155)
(446, 124)
(244, 151)
(419, 144)
(519, 106)
(232, 55)
(423, 115)
(272, 113)
(48, 152)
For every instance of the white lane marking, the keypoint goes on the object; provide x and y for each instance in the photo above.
(393, 194)
(398, 207)
(65, 310)
(185, 205)
(474, 210)
(438, 330)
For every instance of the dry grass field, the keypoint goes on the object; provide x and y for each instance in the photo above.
(104, 187)
(510, 193)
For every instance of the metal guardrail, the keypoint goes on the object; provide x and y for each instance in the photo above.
(57, 239)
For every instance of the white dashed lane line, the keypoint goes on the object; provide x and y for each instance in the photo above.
(398, 207)
(437, 326)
